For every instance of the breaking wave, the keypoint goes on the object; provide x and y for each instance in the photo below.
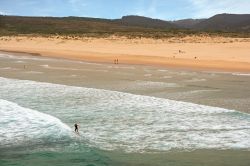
(21, 126)
(113, 120)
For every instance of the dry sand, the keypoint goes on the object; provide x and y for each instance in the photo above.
(195, 52)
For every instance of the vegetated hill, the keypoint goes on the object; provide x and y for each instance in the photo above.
(52, 25)
(226, 22)
(79, 25)
(130, 26)
(187, 23)
(145, 22)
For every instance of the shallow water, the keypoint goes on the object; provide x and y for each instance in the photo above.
(116, 128)
(110, 121)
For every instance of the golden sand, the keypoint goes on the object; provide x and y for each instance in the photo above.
(195, 52)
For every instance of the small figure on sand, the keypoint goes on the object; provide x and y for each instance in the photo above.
(116, 61)
(76, 128)
(181, 52)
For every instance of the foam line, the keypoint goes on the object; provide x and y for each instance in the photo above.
(113, 120)
(21, 126)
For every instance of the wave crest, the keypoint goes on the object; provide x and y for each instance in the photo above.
(21, 126)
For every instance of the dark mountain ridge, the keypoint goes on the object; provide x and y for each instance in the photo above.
(226, 22)
(187, 23)
(145, 22)
(127, 24)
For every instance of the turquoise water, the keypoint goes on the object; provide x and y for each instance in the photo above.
(36, 126)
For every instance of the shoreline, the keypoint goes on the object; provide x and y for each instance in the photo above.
(216, 66)
(196, 56)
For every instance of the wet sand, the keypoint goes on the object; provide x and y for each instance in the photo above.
(221, 89)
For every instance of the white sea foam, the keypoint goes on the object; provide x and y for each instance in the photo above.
(8, 68)
(133, 123)
(23, 57)
(191, 94)
(167, 77)
(59, 68)
(45, 66)
(5, 68)
(72, 69)
(153, 84)
(34, 72)
(120, 67)
(19, 62)
(196, 80)
(88, 63)
(162, 70)
(42, 58)
(186, 73)
(236, 74)
(241, 74)
(217, 72)
(21, 126)
(142, 85)
(147, 75)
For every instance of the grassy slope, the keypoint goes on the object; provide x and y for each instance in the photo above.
(14, 25)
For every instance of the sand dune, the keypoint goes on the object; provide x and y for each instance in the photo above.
(195, 52)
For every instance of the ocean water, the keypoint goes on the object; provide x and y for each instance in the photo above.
(36, 124)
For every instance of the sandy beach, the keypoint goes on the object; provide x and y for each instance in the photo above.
(200, 115)
(193, 52)
(124, 83)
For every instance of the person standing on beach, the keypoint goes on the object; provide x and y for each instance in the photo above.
(76, 127)
(116, 61)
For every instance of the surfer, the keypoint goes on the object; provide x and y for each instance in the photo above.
(76, 127)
